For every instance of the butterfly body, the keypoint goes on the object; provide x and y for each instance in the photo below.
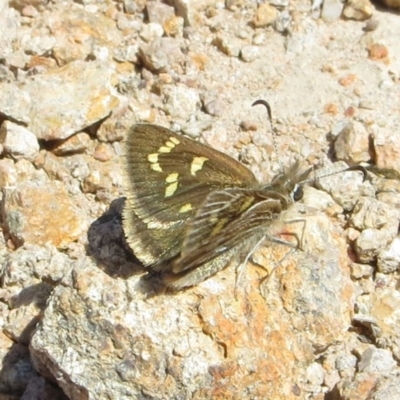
(190, 208)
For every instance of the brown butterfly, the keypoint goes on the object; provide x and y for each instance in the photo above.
(190, 209)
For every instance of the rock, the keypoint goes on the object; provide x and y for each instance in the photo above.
(134, 6)
(151, 31)
(389, 258)
(40, 64)
(99, 178)
(128, 24)
(195, 128)
(103, 152)
(40, 213)
(388, 388)
(371, 213)
(91, 30)
(331, 10)
(369, 244)
(8, 173)
(159, 12)
(120, 308)
(359, 271)
(321, 201)
(345, 187)
(18, 141)
(161, 55)
(279, 3)
(372, 24)
(114, 128)
(9, 18)
(189, 10)
(29, 11)
(87, 98)
(384, 308)
(6, 76)
(20, 4)
(359, 10)
(378, 52)
(127, 53)
(346, 362)
(28, 275)
(249, 125)
(214, 106)
(39, 45)
(283, 22)
(352, 144)
(264, 16)
(363, 384)
(231, 46)
(314, 376)
(180, 101)
(174, 26)
(386, 148)
(77, 143)
(52, 165)
(234, 4)
(376, 360)
(387, 183)
(14, 102)
(249, 53)
(348, 80)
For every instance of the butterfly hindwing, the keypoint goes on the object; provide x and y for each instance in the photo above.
(242, 214)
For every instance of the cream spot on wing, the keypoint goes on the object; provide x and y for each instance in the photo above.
(156, 167)
(197, 164)
(153, 158)
(171, 189)
(174, 140)
(164, 149)
(172, 178)
(187, 207)
(170, 144)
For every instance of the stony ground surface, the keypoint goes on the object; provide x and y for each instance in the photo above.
(78, 318)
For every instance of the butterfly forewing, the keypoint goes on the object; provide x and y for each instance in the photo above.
(167, 178)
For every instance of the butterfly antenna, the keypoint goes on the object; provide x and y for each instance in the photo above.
(354, 168)
(268, 107)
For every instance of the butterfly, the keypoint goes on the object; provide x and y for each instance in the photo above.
(190, 209)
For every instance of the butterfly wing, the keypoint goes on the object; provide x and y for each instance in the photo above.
(227, 219)
(167, 178)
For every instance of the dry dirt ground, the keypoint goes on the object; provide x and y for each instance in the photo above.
(77, 318)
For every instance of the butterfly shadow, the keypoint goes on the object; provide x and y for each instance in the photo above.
(108, 247)
(107, 244)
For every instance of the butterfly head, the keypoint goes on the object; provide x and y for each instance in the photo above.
(288, 184)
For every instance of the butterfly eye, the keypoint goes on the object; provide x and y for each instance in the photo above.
(298, 193)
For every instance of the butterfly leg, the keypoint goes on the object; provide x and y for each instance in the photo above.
(294, 247)
(294, 234)
(241, 267)
(267, 277)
